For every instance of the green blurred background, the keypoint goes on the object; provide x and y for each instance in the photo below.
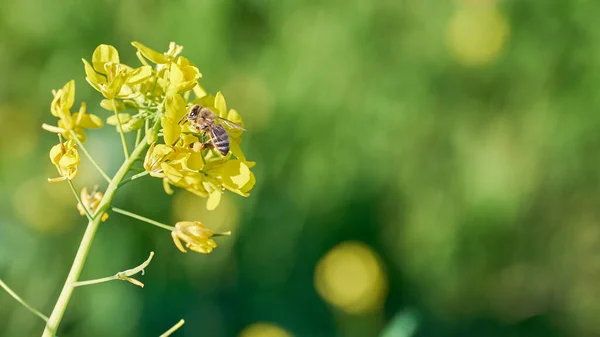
(424, 168)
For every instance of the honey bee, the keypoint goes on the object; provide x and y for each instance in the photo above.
(208, 123)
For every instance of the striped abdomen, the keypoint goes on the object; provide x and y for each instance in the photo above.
(220, 139)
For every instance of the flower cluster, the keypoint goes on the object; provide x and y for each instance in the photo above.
(186, 159)
(154, 100)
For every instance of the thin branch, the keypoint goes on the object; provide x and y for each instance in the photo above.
(123, 140)
(87, 212)
(141, 218)
(20, 300)
(173, 328)
(123, 275)
(134, 177)
(87, 154)
(138, 137)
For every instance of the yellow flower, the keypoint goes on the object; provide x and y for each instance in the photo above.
(91, 202)
(155, 156)
(234, 175)
(192, 181)
(61, 107)
(182, 76)
(111, 78)
(66, 159)
(195, 236)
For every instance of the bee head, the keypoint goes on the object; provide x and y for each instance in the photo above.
(194, 111)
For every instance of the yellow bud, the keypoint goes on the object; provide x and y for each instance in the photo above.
(108, 105)
(151, 136)
(133, 124)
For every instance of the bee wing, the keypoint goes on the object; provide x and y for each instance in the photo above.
(231, 124)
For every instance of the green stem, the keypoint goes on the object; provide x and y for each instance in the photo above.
(20, 300)
(87, 154)
(134, 177)
(86, 242)
(138, 137)
(94, 281)
(141, 218)
(123, 140)
(173, 329)
(87, 212)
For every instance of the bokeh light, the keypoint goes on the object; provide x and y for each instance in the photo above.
(477, 33)
(262, 329)
(350, 276)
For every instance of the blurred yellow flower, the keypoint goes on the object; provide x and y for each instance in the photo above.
(477, 33)
(66, 159)
(195, 236)
(91, 202)
(111, 78)
(61, 107)
(351, 277)
(264, 329)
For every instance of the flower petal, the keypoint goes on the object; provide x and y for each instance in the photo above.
(150, 54)
(68, 96)
(171, 130)
(214, 198)
(221, 105)
(92, 76)
(104, 54)
(139, 75)
(89, 121)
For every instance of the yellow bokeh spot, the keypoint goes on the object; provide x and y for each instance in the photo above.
(477, 33)
(251, 96)
(40, 209)
(264, 330)
(350, 277)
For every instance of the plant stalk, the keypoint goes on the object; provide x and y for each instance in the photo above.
(86, 242)
(123, 140)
